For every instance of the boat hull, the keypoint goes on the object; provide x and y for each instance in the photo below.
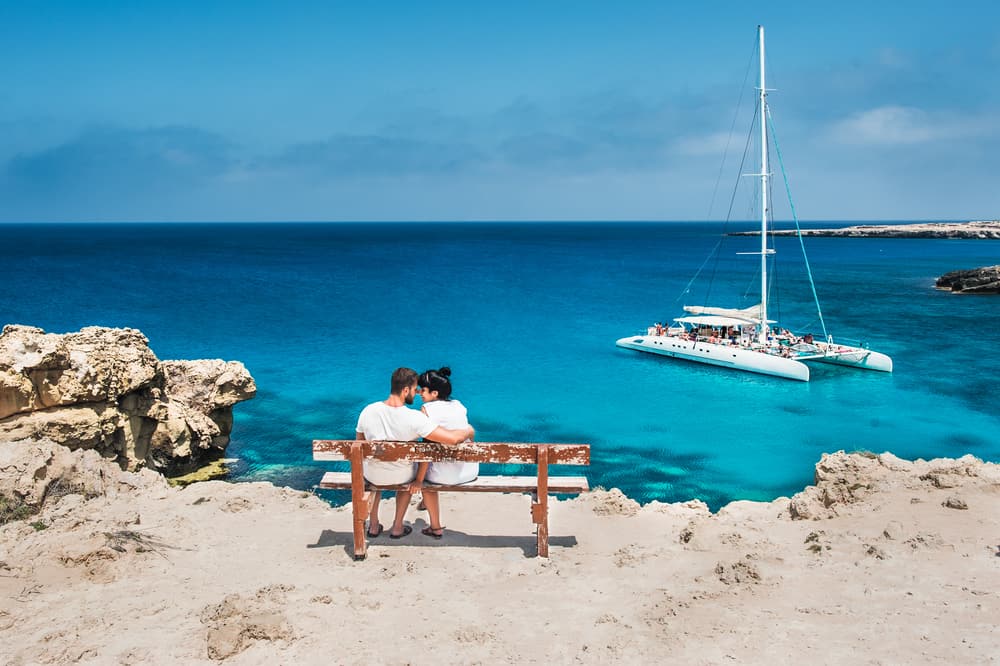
(858, 357)
(723, 356)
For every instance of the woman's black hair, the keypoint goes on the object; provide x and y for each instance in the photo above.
(437, 380)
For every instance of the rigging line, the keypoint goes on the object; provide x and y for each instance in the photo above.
(736, 185)
(732, 202)
(798, 230)
(746, 150)
(732, 127)
(711, 254)
(774, 286)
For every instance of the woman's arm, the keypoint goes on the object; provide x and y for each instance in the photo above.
(418, 483)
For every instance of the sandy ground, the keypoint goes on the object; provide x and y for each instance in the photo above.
(253, 574)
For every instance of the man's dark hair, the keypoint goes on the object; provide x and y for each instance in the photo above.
(402, 378)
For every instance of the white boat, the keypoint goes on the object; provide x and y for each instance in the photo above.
(744, 339)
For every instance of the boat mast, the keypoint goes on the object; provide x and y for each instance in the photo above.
(763, 193)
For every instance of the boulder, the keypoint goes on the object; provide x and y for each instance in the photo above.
(985, 280)
(104, 389)
(841, 479)
(33, 470)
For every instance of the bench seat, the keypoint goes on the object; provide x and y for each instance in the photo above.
(363, 494)
(482, 484)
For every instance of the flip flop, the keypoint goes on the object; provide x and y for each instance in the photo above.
(406, 530)
(429, 531)
(376, 534)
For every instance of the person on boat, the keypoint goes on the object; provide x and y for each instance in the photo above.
(435, 391)
(659, 328)
(392, 420)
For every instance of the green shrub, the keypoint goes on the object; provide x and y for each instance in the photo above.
(12, 509)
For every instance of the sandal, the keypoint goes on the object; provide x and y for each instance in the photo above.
(433, 533)
(406, 530)
(377, 533)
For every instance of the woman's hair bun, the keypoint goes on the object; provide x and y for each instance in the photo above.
(445, 371)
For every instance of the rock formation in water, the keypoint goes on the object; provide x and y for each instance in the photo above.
(980, 230)
(985, 280)
(104, 389)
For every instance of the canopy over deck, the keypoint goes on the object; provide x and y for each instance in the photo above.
(750, 315)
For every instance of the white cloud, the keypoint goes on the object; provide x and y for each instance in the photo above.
(903, 125)
(704, 144)
(887, 125)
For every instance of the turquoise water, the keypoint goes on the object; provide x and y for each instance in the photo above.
(527, 315)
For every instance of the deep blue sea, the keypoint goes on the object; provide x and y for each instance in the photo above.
(526, 315)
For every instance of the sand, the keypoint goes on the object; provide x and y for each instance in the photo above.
(892, 571)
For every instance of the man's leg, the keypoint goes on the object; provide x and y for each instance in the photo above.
(431, 499)
(373, 516)
(402, 503)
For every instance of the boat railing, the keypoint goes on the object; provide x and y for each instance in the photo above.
(846, 342)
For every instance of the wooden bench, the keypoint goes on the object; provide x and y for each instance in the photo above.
(542, 455)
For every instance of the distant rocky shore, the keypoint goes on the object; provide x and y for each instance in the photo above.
(985, 280)
(980, 230)
(104, 389)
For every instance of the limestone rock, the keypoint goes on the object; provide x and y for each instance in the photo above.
(104, 389)
(31, 470)
(985, 280)
(951, 473)
(92, 365)
(741, 572)
(840, 479)
(843, 479)
(955, 503)
(611, 503)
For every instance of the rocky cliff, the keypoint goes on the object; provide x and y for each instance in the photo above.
(104, 389)
(985, 280)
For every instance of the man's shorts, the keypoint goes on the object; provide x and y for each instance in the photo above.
(389, 473)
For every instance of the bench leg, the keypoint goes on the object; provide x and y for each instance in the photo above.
(540, 515)
(361, 507)
(360, 541)
(540, 507)
(360, 503)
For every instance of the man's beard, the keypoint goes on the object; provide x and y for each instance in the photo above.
(409, 399)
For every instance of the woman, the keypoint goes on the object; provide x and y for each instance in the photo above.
(435, 391)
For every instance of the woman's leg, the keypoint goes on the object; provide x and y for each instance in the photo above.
(433, 508)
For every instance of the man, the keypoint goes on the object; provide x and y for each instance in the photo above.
(392, 420)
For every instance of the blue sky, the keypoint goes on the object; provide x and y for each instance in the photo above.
(115, 111)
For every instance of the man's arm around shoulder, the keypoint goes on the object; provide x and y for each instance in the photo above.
(451, 437)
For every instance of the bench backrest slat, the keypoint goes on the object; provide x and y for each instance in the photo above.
(493, 452)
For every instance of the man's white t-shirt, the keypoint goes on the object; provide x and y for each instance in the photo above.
(401, 424)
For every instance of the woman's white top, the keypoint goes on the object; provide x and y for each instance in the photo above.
(450, 414)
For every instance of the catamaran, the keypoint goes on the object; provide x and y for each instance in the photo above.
(744, 338)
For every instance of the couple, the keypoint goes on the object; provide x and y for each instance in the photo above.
(440, 419)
